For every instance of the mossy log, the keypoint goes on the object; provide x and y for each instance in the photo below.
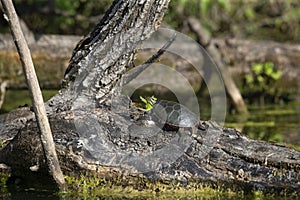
(96, 131)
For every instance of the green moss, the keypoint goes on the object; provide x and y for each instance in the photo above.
(3, 179)
(132, 187)
(138, 188)
(91, 187)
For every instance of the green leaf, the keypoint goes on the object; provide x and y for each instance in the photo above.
(148, 102)
(249, 13)
(260, 79)
(153, 98)
(276, 75)
(148, 106)
(268, 71)
(257, 68)
(269, 68)
(249, 79)
(143, 100)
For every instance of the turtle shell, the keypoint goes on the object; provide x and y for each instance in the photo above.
(173, 114)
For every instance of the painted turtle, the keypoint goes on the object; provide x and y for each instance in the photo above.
(173, 115)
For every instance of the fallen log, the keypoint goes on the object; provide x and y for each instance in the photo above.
(97, 130)
(216, 155)
(51, 54)
(240, 54)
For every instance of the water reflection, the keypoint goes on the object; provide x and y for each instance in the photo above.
(273, 123)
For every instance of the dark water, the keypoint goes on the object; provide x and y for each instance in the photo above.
(273, 123)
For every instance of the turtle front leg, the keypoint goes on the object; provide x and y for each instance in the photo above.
(201, 126)
(183, 131)
(179, 134)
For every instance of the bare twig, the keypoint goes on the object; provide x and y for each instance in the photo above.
(3, 85)
(35, 92)
(231, 88)
(135, 72)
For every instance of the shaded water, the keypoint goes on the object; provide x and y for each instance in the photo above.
(273, 123)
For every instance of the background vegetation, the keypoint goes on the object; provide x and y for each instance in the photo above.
(278, 20)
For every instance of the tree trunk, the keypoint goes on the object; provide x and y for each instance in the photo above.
(98, 131)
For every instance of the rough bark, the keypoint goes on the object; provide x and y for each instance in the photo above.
(217, 155)
(108, 136)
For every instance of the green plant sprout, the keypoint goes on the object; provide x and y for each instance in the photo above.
(148, 101)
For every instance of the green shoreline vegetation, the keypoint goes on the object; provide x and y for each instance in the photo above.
(87, 187)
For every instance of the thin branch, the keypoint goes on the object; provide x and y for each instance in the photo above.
(35, 92)
(3, 86)
(231, 88)
(152, 59)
